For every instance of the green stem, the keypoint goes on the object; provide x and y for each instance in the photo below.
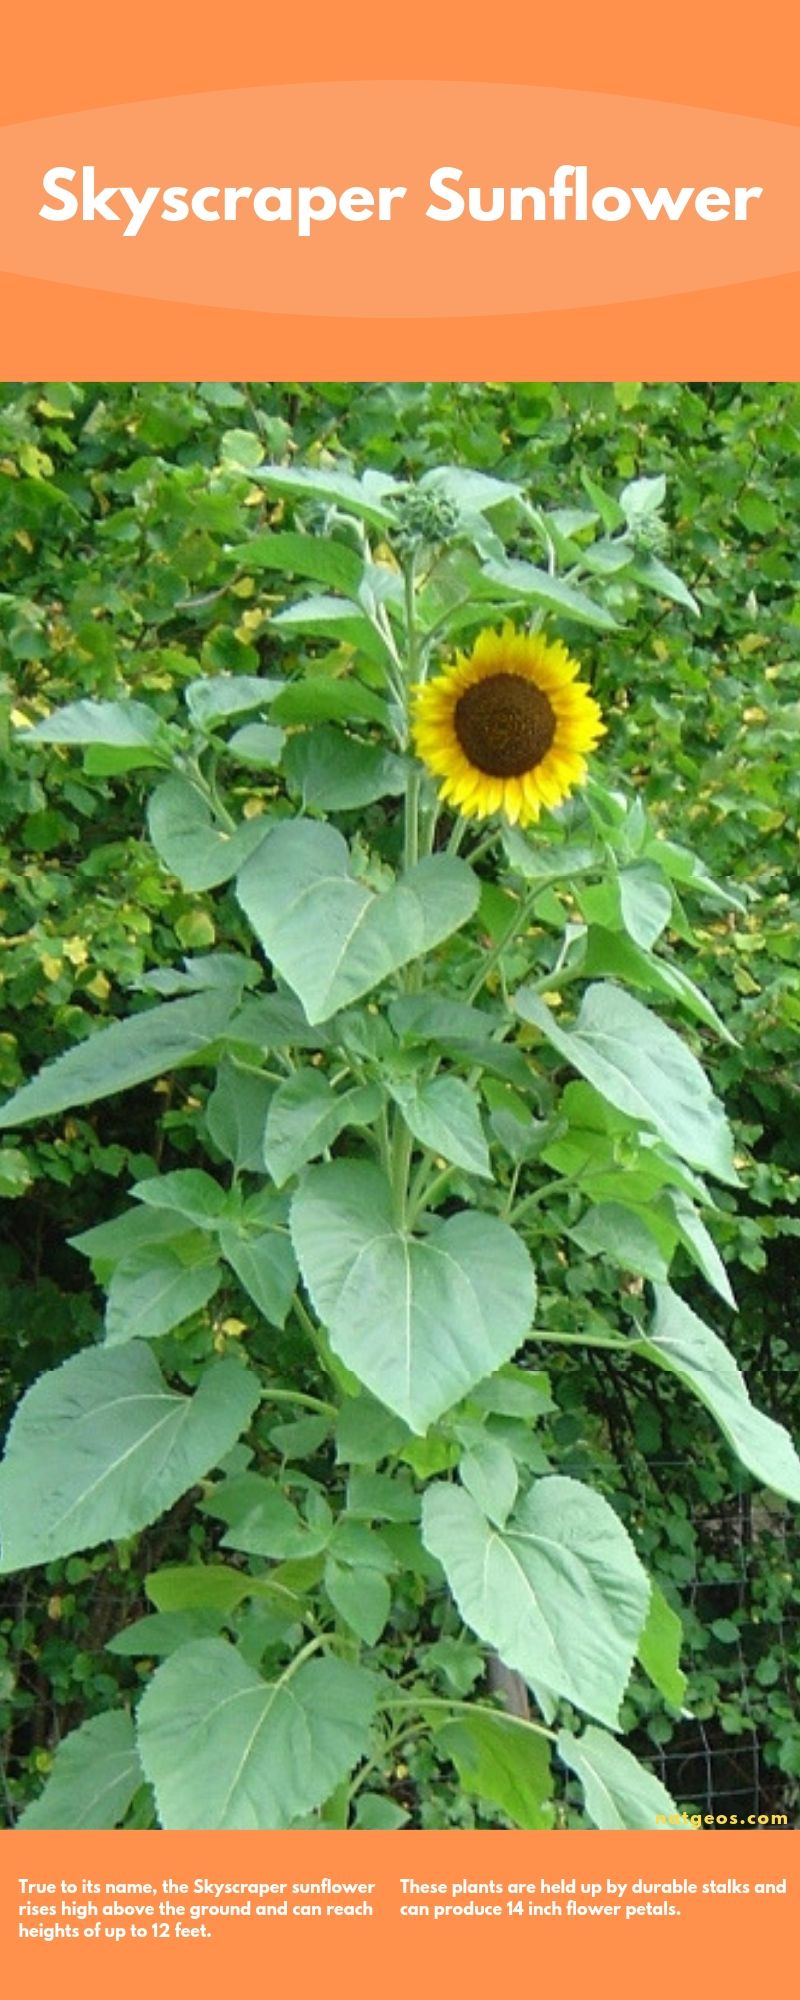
(209, 793)
(300, 1658)
(402, 1145)
(315, 1335)
(384, 1143)
(512, 1189)
(411, 839)
(578, 1182)
(457, 832)
(620, 1345)
(423, 1701)
(427, 1195)
(483, 846)
(541, 1194)
(522, 912)
(298, 1396)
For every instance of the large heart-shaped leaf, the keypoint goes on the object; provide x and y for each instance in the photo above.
(101, 1446)
(329, 935)
(419, 1320)
(643, 1068)
(224, 1748)
(560, 1593)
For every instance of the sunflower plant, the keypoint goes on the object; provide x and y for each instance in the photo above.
(448, 1042)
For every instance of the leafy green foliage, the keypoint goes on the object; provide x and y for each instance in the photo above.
(369, 1101)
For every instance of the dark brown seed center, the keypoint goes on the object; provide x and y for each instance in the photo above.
(504, 725)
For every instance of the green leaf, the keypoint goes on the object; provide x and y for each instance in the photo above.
(504, 1760)
(152, 1291)
(272, 1021)
(382, 1496)
(224, 1748)
(15, 1173)
(305, 1117)
(264, 1263)
(367, 1432)
(700, 1245)
(121, 725)
(198, 1587)
(547, 861)
(654, 575)
(188, 1193)
(513, 578)
(376, 1814)
(642, 498)
(333, 489)
(162, 1632)
(443, 1115)
(109, 1242)
(682, 1343)
(472, 492)
(610, 512)
(612, 953)
(314, 556)
(241, 449)
(302, 1437)
(101, 1446)
(211, 970)
(660, 1647)
(560, 1593)
(681, 865)
(362, 1597)
(336, 773)
(331, 618)
(645, 902)
(320, 698)
(218, 696)
(488, 1471)
(515, 1392)
(120, 1057)
(627, 1236)
(419, 1320)
(260, 1520)
(185, 837)
(258, 743)
(609, 1154)
(236, 1115)
(330, 936)
(642, 1067)
(619, 1792)
(462, 1030)
(93, 1780)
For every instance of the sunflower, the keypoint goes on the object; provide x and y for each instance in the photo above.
(507, 727)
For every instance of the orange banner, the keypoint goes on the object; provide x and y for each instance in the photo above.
(394, 1913)
(203, 216)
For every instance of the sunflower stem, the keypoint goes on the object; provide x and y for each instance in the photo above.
(411, 839)
(402, 1146)
(523, 911)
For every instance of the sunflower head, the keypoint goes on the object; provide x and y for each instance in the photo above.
(506, 728)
